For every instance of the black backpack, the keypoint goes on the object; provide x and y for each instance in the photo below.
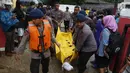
(114, 45)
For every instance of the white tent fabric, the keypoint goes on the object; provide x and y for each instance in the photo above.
(0, 3)
(36, 1)
(125, 13)
(126, 0)
(63, 7)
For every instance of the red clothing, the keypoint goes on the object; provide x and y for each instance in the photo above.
(2, 38)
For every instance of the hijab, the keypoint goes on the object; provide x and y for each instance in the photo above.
(110, 23)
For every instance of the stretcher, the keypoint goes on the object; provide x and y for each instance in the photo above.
(67, 49)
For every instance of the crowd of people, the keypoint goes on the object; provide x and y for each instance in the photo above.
(38, 25)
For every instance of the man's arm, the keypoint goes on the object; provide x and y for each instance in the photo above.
(53, 39)
(53, 36)
(52, 30)
(22, 46)
(105, 39)
(105, 53)
(124, 67)
(75, 34)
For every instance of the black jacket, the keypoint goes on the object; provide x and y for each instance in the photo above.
(21, 17)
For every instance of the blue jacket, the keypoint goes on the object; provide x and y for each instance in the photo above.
(6, 20)
(99, 28)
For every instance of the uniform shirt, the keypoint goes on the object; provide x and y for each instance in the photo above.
(58, 15)
(67, 16)
(22, 47)
(74, 19)
(104, 39)
(84, 39)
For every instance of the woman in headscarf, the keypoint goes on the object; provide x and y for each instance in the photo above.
(102, 57)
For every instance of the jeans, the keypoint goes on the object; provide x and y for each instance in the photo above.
(35, 64)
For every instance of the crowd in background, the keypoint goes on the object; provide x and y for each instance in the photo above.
(91, 31)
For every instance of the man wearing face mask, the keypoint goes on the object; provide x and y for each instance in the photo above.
(8, 22)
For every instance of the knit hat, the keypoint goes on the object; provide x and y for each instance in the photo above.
(80, 17)
(36, 13)
(83, 12)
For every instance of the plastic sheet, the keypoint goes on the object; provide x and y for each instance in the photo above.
(67, 49)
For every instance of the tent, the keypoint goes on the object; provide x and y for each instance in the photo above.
(63, 7)
(0, 3)
(36, 1)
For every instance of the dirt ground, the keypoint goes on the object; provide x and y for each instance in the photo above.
(11, 65)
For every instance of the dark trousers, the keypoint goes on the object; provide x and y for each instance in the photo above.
(55, 29)
(35, 64)
(66, 23)
(82, 61)
(52, 50)
(9, 45)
